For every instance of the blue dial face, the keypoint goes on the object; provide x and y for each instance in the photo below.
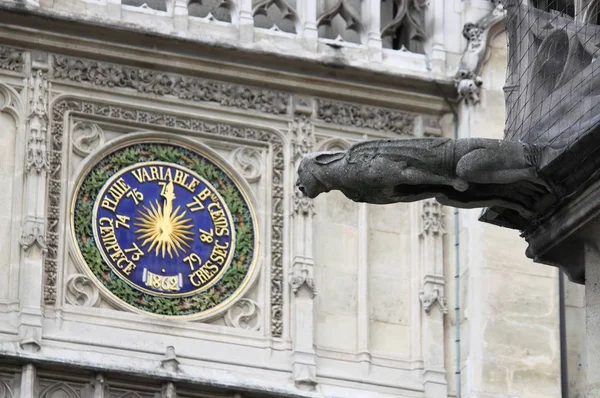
(163, 229)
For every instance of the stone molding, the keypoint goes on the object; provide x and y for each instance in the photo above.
(12, 59)
(162, 84)
(150, 118)
(363, 116)
(478, 35)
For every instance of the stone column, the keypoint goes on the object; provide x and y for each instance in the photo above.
(180, 15)
(371, 16)
(307, 10)
(33, 234)
(301, 274)
(245, 21)
(592, 308)
(28, 385)
(362, 321)
(433, 299)
(434, 24)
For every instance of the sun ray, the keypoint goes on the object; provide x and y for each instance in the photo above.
(164, 232)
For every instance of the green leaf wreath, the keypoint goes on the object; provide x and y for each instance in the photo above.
(180, 306)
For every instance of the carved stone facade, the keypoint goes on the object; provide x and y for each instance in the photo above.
(347, 299)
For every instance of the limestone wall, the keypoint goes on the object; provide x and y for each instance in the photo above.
(349, 300)
(511, 304)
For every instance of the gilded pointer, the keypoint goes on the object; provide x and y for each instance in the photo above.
(183, 236)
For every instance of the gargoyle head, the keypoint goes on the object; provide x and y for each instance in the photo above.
(317, 173)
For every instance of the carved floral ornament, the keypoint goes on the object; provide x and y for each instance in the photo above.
(162, 84)
(12, 59)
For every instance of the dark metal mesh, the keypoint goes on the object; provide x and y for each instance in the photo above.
(553, 82)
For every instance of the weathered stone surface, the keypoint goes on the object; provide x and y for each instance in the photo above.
(465, 173)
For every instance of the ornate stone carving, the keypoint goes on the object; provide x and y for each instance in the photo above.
(432, 217)
(211, 10)
(303, 205)
(301, 275)
(410, 15)
(289, 16)
(348, 14)
(5, 390)
(37, 123)
(245, 314)
(363, 116)
(302, 135)
(82, 291)
(249, 162)
(87, 137)
(434, 297)
(162, 119)
(11, 59)
(182, 87)
(62, 390)
(33, 233)
(467, 79)
(467, 173)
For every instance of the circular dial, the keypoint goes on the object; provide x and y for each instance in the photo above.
(163, 229)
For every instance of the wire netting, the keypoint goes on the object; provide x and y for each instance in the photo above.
(553, 82)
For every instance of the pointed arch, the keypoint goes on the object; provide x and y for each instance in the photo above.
(334, 144)
(10, 102)
(55, 390)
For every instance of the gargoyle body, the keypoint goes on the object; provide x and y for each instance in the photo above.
(467, 173)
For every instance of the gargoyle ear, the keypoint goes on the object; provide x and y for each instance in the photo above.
(329, 157)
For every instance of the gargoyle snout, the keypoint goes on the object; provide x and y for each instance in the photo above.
(301, 188)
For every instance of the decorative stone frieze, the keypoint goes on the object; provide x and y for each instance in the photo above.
(244, 314)
(81, 291)
(163, 84)
(11, 59)
(364, 116)
(162, 119)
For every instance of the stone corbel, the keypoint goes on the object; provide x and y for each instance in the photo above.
(301, 275)
(34, 233)
(170, 362)
(478, 35)
(434, 297)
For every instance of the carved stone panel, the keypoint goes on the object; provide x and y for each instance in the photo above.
(156, 119)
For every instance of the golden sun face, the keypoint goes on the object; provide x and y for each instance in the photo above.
(163, 229)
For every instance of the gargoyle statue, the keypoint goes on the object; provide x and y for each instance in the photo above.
(466, 173)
